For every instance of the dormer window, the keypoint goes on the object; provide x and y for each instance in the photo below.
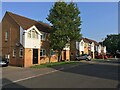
(29, 34)
(43, 36)
(32, 34)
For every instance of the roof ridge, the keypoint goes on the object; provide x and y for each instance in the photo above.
(20, 16)
(44, 24)
(12, 17)
(91, 40)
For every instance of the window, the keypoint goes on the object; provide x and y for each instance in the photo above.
(14, 52)
(81, 43)
(43, 36)
(32, 34)
(21, 52)
(29, 34)
(42, 52)
(6, 36)
(6, 56)
(36, 35)
(52, 52)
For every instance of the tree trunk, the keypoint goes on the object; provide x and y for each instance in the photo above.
(72, 50)
(49, 54)
(49, 57)
(59, 56)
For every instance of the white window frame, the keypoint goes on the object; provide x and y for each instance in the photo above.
(29, 34)
(21, 51)
(32, 34)
(43, 36)
(6, 36)
(36, 35)
(43, 52)
(14, 52)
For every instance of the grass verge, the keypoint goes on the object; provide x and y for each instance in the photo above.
(52, 64)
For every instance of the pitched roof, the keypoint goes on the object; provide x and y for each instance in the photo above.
(85, 40)
(26, 23)
(90, 41)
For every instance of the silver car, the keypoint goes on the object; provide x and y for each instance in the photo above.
(3, 63)
(84, 57)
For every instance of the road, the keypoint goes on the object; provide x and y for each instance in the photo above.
(81, 75)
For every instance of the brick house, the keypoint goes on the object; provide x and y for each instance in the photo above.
(89, 46)
(25, 41)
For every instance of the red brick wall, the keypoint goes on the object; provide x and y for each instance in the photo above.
(9, 25)
(13, 29)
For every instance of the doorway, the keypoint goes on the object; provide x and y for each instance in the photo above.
(35, 56)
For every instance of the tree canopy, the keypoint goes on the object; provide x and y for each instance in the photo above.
(65, 22)
(112, 43)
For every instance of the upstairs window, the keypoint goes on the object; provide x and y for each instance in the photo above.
(6, 36)
(36, 35)
(43, 36)
(14, 52)
(32, 34)
(29, 34)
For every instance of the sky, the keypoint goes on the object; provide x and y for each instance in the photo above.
(119, 17)
(98, 18)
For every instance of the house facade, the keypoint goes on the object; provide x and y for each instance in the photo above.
(25, 41)
(82, 46)
(89, 46)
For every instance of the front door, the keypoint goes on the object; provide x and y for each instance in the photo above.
(35, 56)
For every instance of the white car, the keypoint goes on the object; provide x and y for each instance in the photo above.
(84, 57)
(3, 63)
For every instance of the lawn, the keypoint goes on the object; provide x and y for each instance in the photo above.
(53, 64)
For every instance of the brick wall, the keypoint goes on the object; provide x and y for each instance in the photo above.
(10, 26)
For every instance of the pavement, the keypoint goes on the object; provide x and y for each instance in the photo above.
(85, 74)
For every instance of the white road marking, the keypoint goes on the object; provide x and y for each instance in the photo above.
(32, 77)
(37, 75)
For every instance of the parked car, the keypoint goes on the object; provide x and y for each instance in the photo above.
(3, 63)
(86, 57)
(101, 57)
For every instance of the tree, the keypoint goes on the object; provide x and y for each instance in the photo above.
(66, 23)
(112, 43)
(74, 27)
